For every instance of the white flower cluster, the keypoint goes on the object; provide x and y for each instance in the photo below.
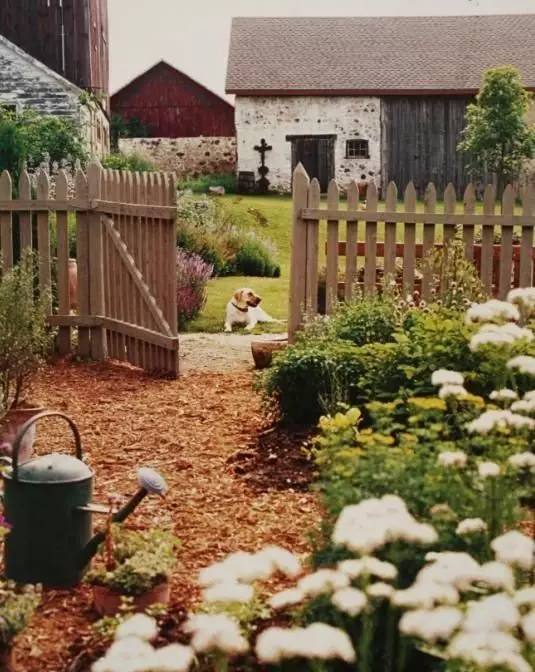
(228, 581)
(503, 395)
(215, 632)
(523, 296)
(499, 419)
(446, 377)
(504, 334)
(370, 525)
(523, 461)
(484, 634)
(319, 641)
(491, 311)
(452, 459)
(523, 363)
(131, 651)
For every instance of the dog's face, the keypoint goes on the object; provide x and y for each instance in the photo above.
(246, 296)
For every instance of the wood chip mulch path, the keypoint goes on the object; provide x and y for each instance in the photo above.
(233, 483)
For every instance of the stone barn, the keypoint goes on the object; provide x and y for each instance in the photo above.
(381, 97)
(186, 127)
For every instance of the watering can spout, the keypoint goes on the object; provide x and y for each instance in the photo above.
(150, 483)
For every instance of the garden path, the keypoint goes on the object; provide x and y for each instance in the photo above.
(234, 483)
(219, 352)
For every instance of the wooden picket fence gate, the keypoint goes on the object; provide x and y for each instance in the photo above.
(126, 260)
(500, 266)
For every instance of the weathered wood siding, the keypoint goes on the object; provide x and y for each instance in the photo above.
(36, 27)
(420, 135)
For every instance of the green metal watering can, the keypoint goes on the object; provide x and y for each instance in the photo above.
(47, 504)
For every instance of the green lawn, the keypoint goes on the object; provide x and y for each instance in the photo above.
(278, 210)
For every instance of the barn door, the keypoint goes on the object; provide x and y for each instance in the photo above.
(316, 153)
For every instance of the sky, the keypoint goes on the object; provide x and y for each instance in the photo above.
(193, 35)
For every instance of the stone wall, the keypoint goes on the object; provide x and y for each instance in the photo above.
(187, 157)
(274, 118)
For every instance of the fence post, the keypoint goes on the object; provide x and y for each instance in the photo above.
(6, 229)
(298, 270)
(96, 263)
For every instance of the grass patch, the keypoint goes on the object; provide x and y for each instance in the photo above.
(200, 185)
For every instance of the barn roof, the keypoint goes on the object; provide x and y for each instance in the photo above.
(159, 67)
(376, 55)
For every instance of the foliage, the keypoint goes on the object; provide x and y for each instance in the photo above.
(223, 236)
(192, 275)
(17, 606)
(125, 128)
(142, 560)
(26, 137)
(497, 136)
(106, 626)
(134, 162)
(25, 338)
(201, 184)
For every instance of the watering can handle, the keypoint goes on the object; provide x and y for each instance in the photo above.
(26, 426)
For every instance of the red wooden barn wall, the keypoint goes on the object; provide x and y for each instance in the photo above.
(35, 27)
(171, 105)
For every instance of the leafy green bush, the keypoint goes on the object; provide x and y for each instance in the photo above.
(139, 560)
(28, 137)
(224, 236)
(133, 162)
(201, 184)
(25, 338)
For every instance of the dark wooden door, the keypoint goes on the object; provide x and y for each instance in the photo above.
(316, 153)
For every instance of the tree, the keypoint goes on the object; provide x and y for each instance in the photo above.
(28, 137)
(497, 136)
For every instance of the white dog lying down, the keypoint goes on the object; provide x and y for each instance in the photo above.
(243, 308)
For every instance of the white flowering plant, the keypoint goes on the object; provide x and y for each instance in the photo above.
(466, 615)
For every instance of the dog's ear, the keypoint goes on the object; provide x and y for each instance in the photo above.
(238, 295)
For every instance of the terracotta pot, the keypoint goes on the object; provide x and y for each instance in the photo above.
(262, 351)
(73, 284)
(7, 660)
(107, 601)
(9, 427)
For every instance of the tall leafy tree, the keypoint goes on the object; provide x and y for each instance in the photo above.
(497, 136)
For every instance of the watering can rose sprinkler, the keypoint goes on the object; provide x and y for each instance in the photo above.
(47, 503)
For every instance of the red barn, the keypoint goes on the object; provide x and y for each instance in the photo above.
(170, 104)
(68, 36)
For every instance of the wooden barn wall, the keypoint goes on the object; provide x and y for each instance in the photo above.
(36, 27)
(171, 105)
(420, 135)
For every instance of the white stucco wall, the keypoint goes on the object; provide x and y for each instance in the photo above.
(274, 118)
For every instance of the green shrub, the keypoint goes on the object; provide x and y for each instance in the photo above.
(366, 320)
(323, 364)
(252, 258)
(25, 338)
(201, 184)
(223, 235)
(133, 162)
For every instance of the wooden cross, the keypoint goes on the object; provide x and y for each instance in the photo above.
(263, 148)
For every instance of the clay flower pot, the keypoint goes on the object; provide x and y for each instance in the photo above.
(107, 602)
(10, 425)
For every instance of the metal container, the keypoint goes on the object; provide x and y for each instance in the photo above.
(47, 503)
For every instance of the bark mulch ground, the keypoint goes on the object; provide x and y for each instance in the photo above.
(234, 484)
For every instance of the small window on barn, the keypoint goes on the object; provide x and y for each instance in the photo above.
(8, 107)
(357, 149)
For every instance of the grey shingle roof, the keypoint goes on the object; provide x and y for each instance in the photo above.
(378, 54)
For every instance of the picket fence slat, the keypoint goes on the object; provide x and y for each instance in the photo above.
(390, 234)
(351, 239)
(430, 203)
(6, 229)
